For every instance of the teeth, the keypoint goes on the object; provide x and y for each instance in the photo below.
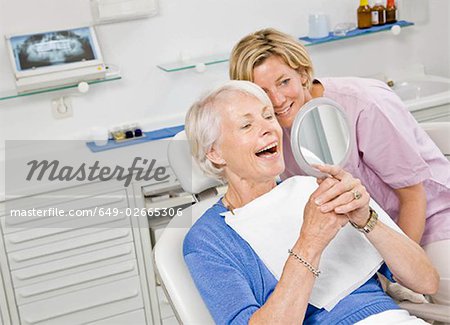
(283, 111)
(268, 147)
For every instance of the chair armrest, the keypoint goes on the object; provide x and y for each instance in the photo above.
(440, 313)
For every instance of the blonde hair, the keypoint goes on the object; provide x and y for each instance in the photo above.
(202, 123)
(252, 50)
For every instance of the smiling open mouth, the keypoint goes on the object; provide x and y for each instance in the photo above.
(268, 151)
(284, 111)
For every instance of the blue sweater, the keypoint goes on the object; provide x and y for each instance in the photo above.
(234, 282)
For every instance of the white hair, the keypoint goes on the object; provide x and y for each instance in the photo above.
(202, 122)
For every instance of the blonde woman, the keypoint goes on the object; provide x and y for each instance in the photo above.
(399, 164)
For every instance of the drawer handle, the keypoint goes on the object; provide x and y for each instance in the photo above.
(30, 292)
(110, 301)
(92, 260)
(17, 239)
(25, 257)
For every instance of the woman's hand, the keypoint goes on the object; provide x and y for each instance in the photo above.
(343, 194)
(319, 227)
(408, 262)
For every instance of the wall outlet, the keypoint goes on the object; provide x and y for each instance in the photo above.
(62, 107)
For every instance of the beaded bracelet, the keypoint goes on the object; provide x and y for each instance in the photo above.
(313, 270)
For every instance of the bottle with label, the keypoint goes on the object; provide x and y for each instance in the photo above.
(364, 15)
(378, 14)
(391, 12)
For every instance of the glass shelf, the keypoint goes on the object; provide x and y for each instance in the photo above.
(214, 59)
(354, 33)
(191, 64)
(4, 95)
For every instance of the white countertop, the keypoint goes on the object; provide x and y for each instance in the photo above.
(418, 89)
(70, 153)
(424, 91)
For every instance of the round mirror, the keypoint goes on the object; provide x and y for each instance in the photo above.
(320, 134)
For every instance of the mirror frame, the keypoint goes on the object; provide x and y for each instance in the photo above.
(295, 131)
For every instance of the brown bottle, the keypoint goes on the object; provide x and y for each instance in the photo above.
(364, 15)
(378, 14)
(391, 12)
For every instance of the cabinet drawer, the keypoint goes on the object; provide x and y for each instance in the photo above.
(75, 282)
(47, 209)
(136, 317)
(74, 264)
(153, 187)
(44, 236)
(87, 305)
(69, 247)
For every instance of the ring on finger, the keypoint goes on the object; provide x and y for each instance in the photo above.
(356, 194)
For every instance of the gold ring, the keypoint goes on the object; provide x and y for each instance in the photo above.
(356, 194)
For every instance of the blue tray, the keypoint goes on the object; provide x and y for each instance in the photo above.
(148, 136)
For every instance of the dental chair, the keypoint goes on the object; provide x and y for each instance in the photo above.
(170, 267)
(439, 132)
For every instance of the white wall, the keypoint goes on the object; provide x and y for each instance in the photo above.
(156, 98)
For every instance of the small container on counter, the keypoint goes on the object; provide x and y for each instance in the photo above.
(364, 15)
(391, 12)
(378, 14)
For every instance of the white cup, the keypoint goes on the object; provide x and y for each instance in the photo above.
(318, 25)
(100, 135)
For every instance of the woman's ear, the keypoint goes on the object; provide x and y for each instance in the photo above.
(215, 156)
(303, 76)
(304, 79)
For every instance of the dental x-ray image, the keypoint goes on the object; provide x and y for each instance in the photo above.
(53, 48)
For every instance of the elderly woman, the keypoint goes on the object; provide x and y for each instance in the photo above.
(393, 157)
(235, 136)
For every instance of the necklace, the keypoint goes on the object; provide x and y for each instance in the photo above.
(228, 204)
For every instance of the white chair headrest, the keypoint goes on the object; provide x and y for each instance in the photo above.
(189, 174)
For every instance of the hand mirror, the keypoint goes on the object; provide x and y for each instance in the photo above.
(321, 134)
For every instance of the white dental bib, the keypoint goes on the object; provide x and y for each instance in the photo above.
(271, 225)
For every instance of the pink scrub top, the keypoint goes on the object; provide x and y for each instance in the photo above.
(391, 151)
